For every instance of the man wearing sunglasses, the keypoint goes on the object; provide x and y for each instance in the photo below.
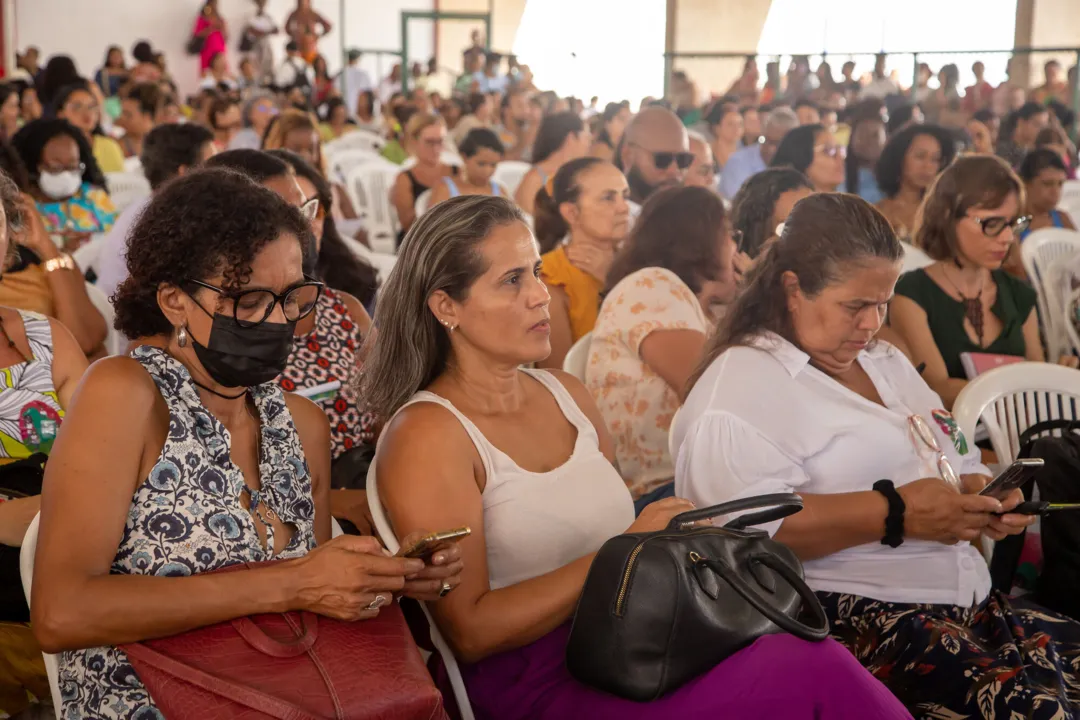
(752, 159)
(655, 152)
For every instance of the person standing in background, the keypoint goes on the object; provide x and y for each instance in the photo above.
(353, 81)
(212, 29)
(305, 27)
(112, 74)
(257, 34)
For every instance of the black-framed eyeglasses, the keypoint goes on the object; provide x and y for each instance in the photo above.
(662, 160)
(253, 307)
(995, 225)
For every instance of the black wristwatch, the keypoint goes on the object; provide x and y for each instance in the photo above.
(894, 521)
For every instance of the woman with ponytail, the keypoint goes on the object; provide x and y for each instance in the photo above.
(582, 217)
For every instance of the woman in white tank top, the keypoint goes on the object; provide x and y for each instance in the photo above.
(523, 458)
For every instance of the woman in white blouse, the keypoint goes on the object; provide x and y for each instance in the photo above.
(793, 396)
(522, 458)
(650, 333)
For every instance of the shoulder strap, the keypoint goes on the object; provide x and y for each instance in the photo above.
(38, 335)
(565, 400)
(1047, 426)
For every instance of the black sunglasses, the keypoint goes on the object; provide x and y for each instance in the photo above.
(253, 307)
(662, 160)
(994, 226)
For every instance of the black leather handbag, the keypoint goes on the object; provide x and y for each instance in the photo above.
(659, 609)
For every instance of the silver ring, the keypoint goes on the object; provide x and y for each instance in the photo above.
(445, 589)
(378, 602)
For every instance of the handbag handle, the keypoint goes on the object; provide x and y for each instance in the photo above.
(780, 506)
(820, 631)
(258, 639)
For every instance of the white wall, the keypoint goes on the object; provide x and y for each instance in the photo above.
(84, 28)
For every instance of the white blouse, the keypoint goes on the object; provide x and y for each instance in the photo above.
(763, 420)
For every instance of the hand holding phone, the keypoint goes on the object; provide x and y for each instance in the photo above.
(428, 545)
(1012, 477)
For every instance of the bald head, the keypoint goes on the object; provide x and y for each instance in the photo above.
(655, 151)
(702, 173)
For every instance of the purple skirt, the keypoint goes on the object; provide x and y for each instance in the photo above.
(779, 676)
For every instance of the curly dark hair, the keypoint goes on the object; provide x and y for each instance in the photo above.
(890, 165)
(337, 265)
(753, 207)
(694, 215)
(191, 230)
(32, 138)
(258, 165)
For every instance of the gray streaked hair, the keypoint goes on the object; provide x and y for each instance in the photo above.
(410, 348)
(783, 117)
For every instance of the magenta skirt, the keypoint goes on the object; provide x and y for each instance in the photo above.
(778, 677)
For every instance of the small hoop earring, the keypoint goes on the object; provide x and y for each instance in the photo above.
(182, 336)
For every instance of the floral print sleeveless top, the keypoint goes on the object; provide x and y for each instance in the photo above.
(186, 518)
(30, 412)
(327, 354)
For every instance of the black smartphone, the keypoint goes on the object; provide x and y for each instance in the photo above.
(1012, 477)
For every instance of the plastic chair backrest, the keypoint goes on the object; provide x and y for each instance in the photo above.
(386, 532)
(423, 202)
(1012, 398)
(356, 140)
(914, 258)
(1040, 250)
(371, 183)
(509, 174)
(114, 341)
(125, 188)
(577, 358)
(1069, 309)
(342, 161)
(26, 571)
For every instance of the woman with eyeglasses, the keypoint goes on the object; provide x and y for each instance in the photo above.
(258, 111)
(425, 138)
(562, 137)
(907, 167)
(761, 205)
(813, 151)
(795, 395)
(186, 457)
(79, 104)
(65, 182)
(649, 336)
(582, 217)
(965, 302)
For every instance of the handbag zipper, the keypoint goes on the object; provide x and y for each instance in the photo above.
(625, 586)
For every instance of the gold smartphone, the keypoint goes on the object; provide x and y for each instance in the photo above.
(428, 545)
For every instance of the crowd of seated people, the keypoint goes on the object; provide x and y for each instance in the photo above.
(734, 308)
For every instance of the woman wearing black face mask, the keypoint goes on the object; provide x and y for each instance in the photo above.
(184, 459)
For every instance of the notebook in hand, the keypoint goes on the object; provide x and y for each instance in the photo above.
(976, 364)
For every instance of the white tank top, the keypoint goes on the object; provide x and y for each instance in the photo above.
(538, 522)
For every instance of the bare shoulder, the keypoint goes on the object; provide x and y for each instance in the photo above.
(121, 377)
(423, 424)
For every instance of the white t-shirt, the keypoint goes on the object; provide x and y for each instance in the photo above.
(764, 420)
(352, 81)
(637, 404)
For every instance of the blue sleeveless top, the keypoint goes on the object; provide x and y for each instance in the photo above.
(454, 192)
(1055, 218)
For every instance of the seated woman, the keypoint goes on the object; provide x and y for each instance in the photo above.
(908, 165)
(258, 111)
(965, 302)
(651, 330)
(140, 111)
(366, 116)
(562, 137)
(78, 104)
(1044, 175)
(425, 138)
(865, 144)
(813, 151)
(40, 365)
(725, 124)
(65, 181)
(762, 203)
(482, 151)
(523, 458)
(113, 74)
(197, 316)
(335, 120)
(614, 120)
(583, 216)
(794, 396)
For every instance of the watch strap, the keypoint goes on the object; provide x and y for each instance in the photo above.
(894, 521)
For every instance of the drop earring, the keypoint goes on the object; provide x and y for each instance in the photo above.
(182, 336)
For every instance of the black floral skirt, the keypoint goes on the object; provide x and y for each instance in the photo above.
(1002, 659)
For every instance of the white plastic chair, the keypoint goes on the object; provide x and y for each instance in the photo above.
(125, 188)
(114, 341)
(1070, 327)
(423, 202)
(356, 140)
(86, 256)
(340, 162)
(509, 174)
(386, 532)
(914, 258)
(26, 570)
(577, 358)
(1012, 398)
(383, 262)
(1040, 251)
(369, 184)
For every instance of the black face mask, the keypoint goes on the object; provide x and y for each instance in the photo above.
(238, 357)
(639, 186)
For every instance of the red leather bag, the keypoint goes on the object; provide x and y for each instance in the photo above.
(290, 666)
